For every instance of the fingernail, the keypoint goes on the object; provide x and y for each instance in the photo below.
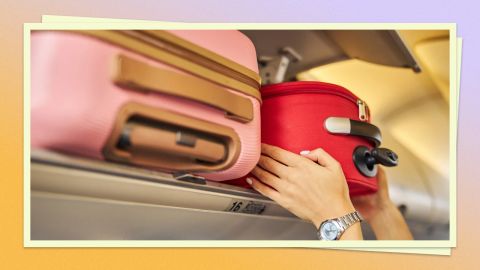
(305, 152)
(249, 181)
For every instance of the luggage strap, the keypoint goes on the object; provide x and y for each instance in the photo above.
(134, 74)
(174, 51)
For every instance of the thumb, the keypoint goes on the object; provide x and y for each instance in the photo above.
(320, 156)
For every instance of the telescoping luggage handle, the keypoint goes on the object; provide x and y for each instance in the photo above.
(133, 74)
(166, 140)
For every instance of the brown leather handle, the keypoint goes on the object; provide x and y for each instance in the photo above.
(149, 140)
(131, 73)
(148, 145)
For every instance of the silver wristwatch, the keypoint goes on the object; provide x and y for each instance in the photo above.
(333, 229)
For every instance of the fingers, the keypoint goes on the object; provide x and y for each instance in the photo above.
(267, 178)
(281, 155)
(321, 157)
(273, 166)
(264, 189)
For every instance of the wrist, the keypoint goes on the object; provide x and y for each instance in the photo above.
(341, 227)
(382, 208)
(336, 210)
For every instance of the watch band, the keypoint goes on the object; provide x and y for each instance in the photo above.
(349, 219)
(341, 223)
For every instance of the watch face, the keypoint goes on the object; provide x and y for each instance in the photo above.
(329, 230)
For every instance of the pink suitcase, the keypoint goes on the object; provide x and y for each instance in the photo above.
(178, 101)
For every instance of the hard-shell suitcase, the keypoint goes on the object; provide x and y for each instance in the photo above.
(179, 101)
(304, 115)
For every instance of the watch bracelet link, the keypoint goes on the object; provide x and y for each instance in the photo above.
(349, 219)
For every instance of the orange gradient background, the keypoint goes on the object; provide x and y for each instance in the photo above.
(14, 256)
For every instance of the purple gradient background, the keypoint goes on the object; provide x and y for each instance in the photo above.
(464, 13)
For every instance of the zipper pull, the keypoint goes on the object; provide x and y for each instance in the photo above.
(362, 110)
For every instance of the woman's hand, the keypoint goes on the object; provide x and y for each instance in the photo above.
(311, 186)
(372, 205)
(381, 213)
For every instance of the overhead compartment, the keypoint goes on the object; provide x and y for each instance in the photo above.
(284, 54)
(115, 201)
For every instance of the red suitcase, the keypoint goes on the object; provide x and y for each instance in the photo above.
(300, 116)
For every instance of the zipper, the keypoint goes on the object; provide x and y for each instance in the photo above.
(299, 88)
(362, 110)
(183, 58)
(193, 57)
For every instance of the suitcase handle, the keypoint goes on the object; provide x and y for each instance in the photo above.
(136, 75)
(140, 138)
(346, 126)
(170, 141)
